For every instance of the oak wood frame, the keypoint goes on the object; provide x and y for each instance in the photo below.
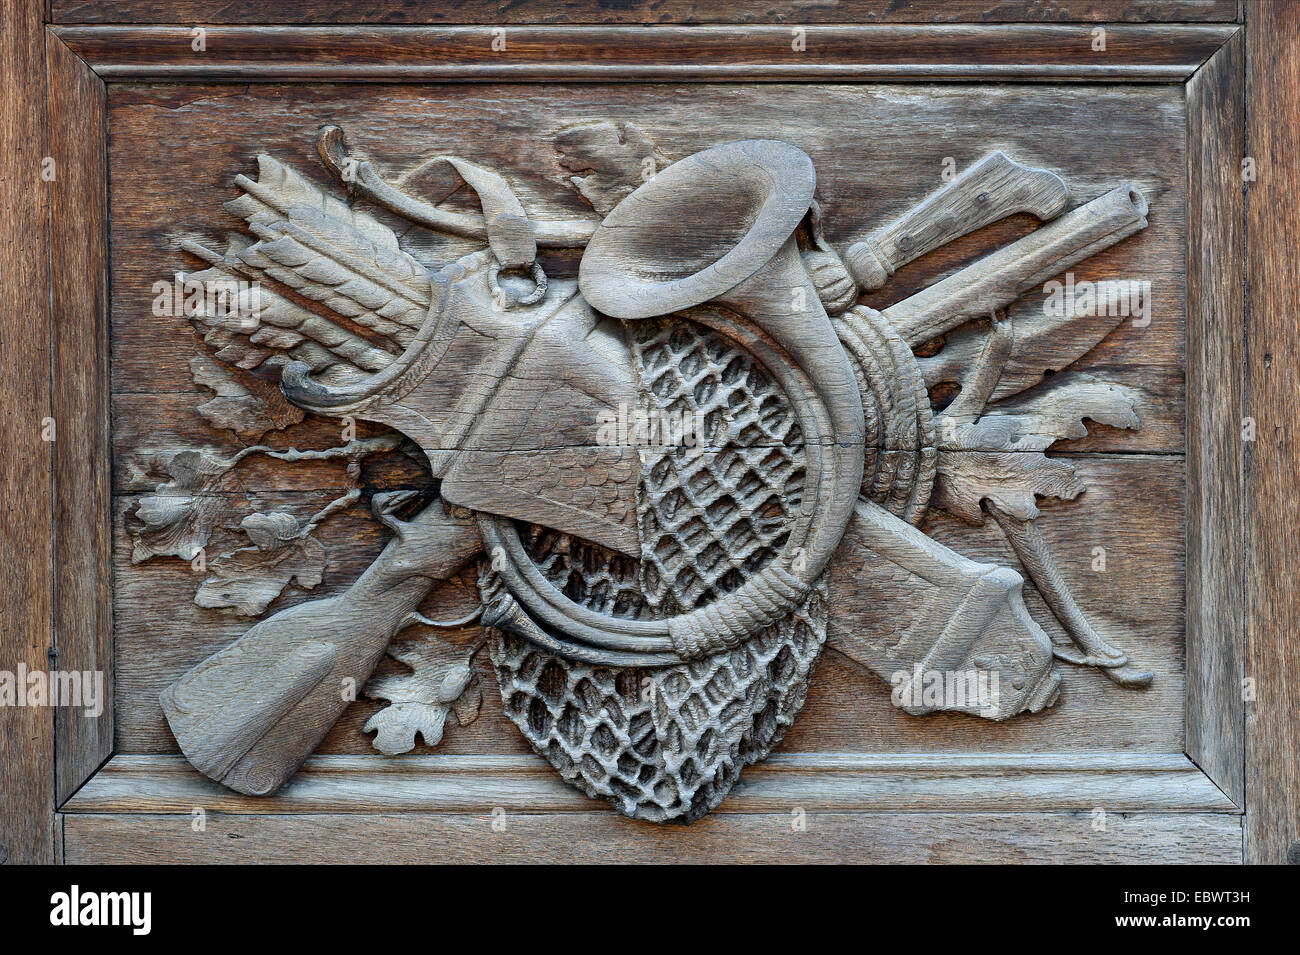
(1192, 806)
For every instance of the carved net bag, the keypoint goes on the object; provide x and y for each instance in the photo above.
(670, 743)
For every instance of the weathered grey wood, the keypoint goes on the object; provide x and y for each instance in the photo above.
(646, 53)
(147, 428)
(1140, 596)
(365, 183)
(1215, 364)
(81, 481)
(838, 782)
(606, 838)
(26, 733)
(1170, 394)
(950, 612)
(1272, 399)
(1042, 343)
(150, 656)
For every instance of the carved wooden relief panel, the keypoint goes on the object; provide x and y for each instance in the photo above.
(648, 428)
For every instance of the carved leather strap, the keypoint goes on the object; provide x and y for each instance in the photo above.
(509, 233)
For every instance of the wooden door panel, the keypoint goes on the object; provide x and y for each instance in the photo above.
(877, 149)
(1162, 549)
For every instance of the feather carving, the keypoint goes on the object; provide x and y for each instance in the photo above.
(271, 329)
(323, 249)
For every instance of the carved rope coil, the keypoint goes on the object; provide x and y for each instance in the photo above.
(902, 454)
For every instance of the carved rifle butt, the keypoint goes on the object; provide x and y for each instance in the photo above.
(992, 189)
(998, 279)
(249, 715)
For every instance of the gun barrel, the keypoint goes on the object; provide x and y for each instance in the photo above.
(998, 279)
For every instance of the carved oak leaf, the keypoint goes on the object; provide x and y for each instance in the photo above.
(1008, 479)
(442, 681)
(998, 458)
(617, 158)
(177, 520)
(248, 579)
(236, 406)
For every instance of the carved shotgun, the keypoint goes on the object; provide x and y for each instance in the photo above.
(249, 715)
(992, 189)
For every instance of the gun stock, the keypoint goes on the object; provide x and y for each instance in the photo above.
(992, 189)
(249, 715)
(998, 279)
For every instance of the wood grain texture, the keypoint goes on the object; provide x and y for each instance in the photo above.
(1139, 598)
(161, 633)
(1215, 360)
(1272, 461)
(606, 838)
(838, 782)
(82, 505)
(1146, 722)
(865, 178)
(646, 53)
(26, 733)
(640, 11)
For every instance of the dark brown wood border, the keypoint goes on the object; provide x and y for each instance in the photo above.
(640, 11)
(25, 811)
(1273, 460)
(630, 54)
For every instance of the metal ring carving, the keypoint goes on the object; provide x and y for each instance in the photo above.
(532, 298)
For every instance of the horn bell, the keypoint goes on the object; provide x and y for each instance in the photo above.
(697, 229)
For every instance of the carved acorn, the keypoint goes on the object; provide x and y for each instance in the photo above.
(835, 287)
